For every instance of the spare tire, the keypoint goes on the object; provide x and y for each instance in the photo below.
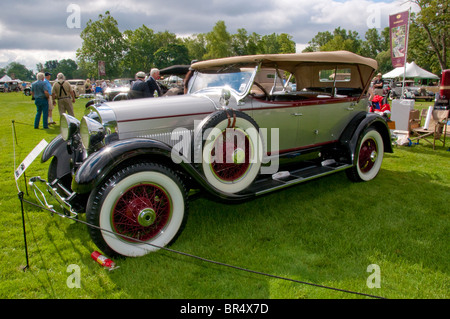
(231, 150)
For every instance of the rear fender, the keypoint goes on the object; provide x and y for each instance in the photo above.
(352, 134)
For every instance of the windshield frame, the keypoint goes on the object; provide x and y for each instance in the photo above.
(238, 94)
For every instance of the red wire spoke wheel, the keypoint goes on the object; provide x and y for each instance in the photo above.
(142, 212)
(139, 209)
(369, 157)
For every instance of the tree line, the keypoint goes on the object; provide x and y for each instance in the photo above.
(125, 53)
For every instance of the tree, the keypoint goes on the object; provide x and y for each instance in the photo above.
(196, 46)
(340, 39)
(433, 18)
(140, 45)
(373, 45)
(318, 41)
(17, 70)
(218, 42)
(102, 41)
(171, 54)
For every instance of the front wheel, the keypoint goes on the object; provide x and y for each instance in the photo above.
(140, 209)
(369, 157)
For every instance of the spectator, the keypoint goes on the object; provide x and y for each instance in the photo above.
(88, 86)
(153, 86)
(378, 85)
(98, 88)
(39, 91)
(140, 89)
(50, 102)
(62, 91)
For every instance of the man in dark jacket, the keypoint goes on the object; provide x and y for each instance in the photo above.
(140, 88)
(154, 88)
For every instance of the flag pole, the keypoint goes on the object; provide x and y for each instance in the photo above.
(406, 53)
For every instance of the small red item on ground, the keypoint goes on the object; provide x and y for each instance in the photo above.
(103, 260)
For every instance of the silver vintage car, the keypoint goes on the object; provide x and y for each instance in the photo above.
(249, 125)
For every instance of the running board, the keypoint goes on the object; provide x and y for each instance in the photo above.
(288, 178)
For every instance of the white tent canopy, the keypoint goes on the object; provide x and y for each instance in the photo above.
(6, 78)
(412, 71)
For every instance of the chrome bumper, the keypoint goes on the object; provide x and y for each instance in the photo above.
(41, 195)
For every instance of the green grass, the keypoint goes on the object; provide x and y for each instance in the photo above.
(327, 232)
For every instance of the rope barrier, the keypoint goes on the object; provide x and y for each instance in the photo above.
(201, 258)
(22, 200)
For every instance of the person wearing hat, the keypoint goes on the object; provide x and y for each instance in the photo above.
(50, 101)
(63, 93)
(140, 88)
(378, 85)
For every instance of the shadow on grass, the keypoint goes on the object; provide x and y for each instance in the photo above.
(326, 230)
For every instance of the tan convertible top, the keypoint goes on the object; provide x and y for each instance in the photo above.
(290, 60)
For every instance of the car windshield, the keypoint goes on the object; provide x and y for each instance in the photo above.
(234, 78)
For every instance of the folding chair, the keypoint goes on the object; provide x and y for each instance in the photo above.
(436, 130)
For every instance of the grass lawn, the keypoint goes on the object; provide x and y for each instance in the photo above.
(327, 232)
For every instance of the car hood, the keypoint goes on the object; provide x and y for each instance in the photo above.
(148, 116)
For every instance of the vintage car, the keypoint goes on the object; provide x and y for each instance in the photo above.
(119, 89)
(77, 86)
(130, 165)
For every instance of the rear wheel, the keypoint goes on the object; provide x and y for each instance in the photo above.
(369, 157)
(140, 209)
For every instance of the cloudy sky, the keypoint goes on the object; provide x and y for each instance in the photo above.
(37, 31)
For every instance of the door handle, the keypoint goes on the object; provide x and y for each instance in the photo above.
(296, 114)
(350, 108)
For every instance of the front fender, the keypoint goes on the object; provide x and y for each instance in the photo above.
(58, 148)
(97, 166)
(352, 133)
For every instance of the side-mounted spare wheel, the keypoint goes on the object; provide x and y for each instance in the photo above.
(139, 209)
(368, 157)
(231, 150)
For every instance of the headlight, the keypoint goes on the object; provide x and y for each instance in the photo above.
(69, 126)
(92, 133)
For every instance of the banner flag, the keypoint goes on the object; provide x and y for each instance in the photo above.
(101, 68)
(398, 28)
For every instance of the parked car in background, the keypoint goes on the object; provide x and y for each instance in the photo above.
(119, 88)
(240, 132)
(77, 86)
(443, 96)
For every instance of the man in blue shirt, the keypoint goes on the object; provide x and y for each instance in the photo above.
(39, 91)
(50, 101)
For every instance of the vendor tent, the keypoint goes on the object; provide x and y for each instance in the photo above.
(6, 78)
(412, 71)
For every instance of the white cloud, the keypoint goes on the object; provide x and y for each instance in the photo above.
(29, 38)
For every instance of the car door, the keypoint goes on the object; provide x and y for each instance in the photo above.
(280, 121)
(333, 118)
